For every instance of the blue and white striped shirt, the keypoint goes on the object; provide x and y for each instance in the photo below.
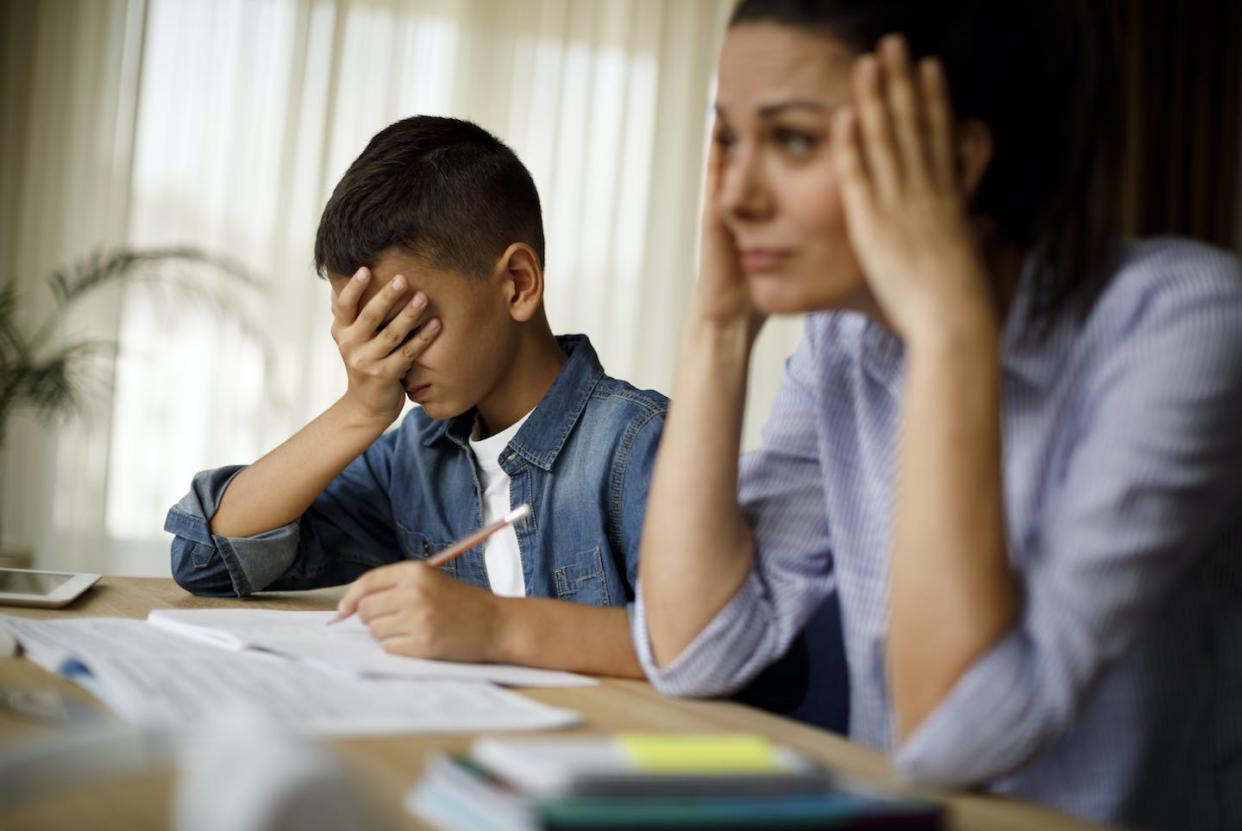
(1118, 693)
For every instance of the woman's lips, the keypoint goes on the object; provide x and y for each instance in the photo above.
(418, 392)
(760, 260)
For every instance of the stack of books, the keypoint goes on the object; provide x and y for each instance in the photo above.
(656, 781)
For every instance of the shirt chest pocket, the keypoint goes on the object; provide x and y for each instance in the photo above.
(582, 579)
(420, 546)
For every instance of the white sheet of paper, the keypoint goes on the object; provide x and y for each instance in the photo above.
(346, 647)
(154, 678)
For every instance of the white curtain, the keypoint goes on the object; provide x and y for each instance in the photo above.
(68, 96)
(247, 113)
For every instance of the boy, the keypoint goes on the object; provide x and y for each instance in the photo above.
(433, 245)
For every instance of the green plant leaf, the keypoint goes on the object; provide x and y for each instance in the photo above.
(54, 386)
(51, 377)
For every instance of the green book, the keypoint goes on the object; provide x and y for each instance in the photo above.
(656, 782)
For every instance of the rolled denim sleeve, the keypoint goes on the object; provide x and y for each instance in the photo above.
(347, 530)
(207, 564)
(1144, 495)
(782, 498)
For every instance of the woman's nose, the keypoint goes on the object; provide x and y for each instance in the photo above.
(744, 193)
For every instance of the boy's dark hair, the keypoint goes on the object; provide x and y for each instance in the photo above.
(1043, 76)
(445, 189)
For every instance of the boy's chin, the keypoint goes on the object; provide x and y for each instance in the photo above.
(439, 410)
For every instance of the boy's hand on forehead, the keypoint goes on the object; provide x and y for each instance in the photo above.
(379, 341)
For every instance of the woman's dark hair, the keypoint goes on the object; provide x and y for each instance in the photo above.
(1042, 75)
(442, 188)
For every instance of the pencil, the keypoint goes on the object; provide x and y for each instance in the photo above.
(466, 543)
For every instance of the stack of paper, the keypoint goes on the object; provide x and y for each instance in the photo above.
(347, 647)
(155, 678)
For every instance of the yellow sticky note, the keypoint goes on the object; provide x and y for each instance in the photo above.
(699, 753)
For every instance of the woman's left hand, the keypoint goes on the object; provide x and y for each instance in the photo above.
(903, 195)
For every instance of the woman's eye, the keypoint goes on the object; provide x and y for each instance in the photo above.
(795, 143)
(725, 139)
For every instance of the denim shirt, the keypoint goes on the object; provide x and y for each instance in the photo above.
(582, 460)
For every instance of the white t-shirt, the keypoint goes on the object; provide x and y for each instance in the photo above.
(501, 554)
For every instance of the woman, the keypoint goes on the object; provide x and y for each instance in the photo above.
(1011, 440)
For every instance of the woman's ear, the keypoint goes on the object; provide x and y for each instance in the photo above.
(520, 280)
(974, 153)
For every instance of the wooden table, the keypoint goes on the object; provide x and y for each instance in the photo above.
(136, 802)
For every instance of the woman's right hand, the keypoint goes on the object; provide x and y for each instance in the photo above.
(378, 355)
(722, 295)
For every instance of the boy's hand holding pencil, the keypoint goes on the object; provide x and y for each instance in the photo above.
(414, 609)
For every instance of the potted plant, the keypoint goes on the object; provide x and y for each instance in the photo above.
(45, 369)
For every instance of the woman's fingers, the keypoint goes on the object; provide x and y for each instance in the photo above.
(714, 231)
(856, 190)
(879, 153)
(905, 110)
(939, 116)
(711, 195)
(715, 165)
(906, 120)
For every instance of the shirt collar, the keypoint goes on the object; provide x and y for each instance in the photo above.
(546, 430)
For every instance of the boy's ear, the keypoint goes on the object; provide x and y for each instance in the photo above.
(521, 280)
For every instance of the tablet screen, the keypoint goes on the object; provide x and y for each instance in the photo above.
(31, 582)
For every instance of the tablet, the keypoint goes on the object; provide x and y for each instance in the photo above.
(26, 587)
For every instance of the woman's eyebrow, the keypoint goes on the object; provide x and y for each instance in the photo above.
(770, 111)
(773, 110)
